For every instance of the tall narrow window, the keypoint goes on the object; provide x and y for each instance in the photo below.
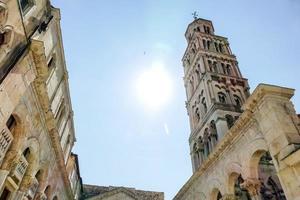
(11, 123)
(223, 68)
(215, 65)
(217, 47)
(228, 70)
(221, 48)
(204, 44)
(197, 113)
(203, 102)
(208, 45)
(210, 65)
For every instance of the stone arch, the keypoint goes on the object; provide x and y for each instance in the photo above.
(255, 149)
(233, 170)
(18, 134)
(215, 194)
(3, 13)
(42, 180)
(216, 188)
(47, 191)
(33, 162)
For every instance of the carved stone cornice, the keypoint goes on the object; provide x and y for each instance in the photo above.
(39, 84)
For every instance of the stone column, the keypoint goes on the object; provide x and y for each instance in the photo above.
(253, 188)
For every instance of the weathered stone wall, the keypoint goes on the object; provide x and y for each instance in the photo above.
(268, 124)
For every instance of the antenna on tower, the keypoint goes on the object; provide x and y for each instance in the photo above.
(195, 15)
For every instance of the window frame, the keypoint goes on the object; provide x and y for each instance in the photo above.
(27, 7)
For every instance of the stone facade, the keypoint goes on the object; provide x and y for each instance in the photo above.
(256, 154)
(36, 118)
(91, 192)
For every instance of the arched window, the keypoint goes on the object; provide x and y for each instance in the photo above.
(11, 123)
(208, 45)
(229, 120)
(237, 101)
(203, 102)
(222, 97)
(26, 153)
(219, 196)
(223, 68)
(206, 142)
(198, 29)
(197, 113)
(217, 47)
(210, 65)
(47, 191)
(55, 198)
(228, 70)
(221, 48)
(213, 130)
(215, 66)
(204, 44)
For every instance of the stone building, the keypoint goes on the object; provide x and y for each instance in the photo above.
(36, 118)
(242, 146)
(91, 192)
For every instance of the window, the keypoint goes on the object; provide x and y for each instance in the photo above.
(11, 123)
(210, 65)
(208, 45)
(26, 153)
(223, 68)
(215, 67)
(197, 114)
(228, 69)
(204, 44)
(217, 47)
(203, 102)
(221, 48)
(237, 101)
(222, 97)
(26, 5)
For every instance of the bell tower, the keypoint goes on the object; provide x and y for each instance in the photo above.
(215, 88)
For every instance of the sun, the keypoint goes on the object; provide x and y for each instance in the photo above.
(154, 86)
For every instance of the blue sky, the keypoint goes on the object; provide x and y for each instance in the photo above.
(109, 43)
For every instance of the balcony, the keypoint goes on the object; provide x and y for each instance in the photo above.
(20, 170)
(6, 139)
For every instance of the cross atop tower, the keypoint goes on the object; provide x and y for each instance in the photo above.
(195, 15)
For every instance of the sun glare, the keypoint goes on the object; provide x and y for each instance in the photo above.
(154, 86)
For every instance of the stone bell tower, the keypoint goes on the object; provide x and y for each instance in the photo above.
(215, 88)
